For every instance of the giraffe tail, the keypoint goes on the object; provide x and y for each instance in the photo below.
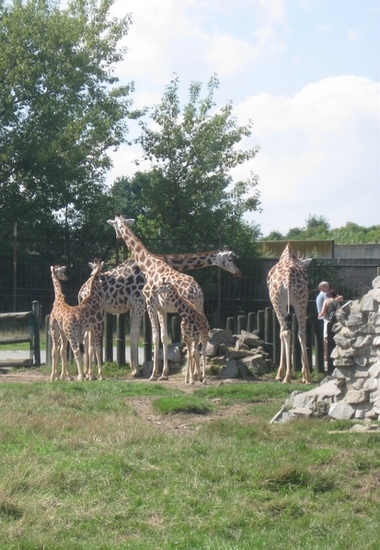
(81, 347)
(288, 321)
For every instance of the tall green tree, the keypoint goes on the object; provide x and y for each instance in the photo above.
(61, 110)
(189, 195)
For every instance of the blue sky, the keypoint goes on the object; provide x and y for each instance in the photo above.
(306, 72)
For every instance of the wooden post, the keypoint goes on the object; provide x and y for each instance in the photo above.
(230, 324)
(261, 324)
(147, 336)
(36, 333)
(241, 323)
(120, 340)
(251, 325)
(108, 336)
(268, 330)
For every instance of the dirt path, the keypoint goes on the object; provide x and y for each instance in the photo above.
(143, 405)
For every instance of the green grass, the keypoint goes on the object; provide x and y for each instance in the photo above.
(82, 469)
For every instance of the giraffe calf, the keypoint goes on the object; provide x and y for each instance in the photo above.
(69, 323)
(194, 328)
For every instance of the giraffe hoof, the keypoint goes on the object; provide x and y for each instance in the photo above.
(163, 378)
(137, 374)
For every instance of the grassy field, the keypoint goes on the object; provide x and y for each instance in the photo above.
(143, 466)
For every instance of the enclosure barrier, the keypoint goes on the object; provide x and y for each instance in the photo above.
(33, 337)
(263, 322)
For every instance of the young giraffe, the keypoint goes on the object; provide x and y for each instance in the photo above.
(93, 322)
(122, 288)
(156, 270)
(288, 285)
(195, 330)
(68, 323)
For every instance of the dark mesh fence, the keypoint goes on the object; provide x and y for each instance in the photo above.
(225, 295)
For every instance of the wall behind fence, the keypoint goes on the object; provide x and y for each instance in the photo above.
(238, 296)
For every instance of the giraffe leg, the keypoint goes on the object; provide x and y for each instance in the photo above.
(55, 355)
(189, 377)
(65, 373)
(136, 319)
(288, 375)
(97, 340)
(196, 360)
(162, 317)
(155, 340)
(282, 368)
(306, 376)
(88, 356)
(78, 359)
(204, 360)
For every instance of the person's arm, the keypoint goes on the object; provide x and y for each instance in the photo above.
(324, 309)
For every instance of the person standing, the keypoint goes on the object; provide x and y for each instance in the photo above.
(330, 304)
(323, 288)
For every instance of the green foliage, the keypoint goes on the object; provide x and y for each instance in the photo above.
(318, 228)
(189, 194)
(61, 112)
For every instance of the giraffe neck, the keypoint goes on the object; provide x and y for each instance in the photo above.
(187, 262)
(59, 296)
(141, 255)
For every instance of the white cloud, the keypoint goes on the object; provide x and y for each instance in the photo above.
(318, 153)
(228, 55)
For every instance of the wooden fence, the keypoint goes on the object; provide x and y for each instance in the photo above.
(264, 322)
(31, 319)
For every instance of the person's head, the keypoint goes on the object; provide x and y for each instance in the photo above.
(332, 294)
(324, 286)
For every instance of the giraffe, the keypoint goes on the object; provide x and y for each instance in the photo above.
(68, 323)
(288, 285)
(195, 330)
(155, 271)
(122, 288)
(93, 318)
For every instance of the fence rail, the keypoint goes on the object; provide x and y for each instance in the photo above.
(31, 318)
(264, 322)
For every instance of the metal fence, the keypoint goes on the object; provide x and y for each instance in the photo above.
(225, 296)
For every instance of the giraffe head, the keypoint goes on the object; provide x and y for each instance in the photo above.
(225, 261)
(96, 267)
(59, 271)
(118, 222)
(164, 287)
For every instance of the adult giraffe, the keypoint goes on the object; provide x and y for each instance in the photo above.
(122, 287)
(157, 272)
(288, 286)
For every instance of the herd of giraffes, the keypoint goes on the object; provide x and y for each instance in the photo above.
(158, 284)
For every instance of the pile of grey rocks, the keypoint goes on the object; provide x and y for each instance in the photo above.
(353, 389)
(228, 356)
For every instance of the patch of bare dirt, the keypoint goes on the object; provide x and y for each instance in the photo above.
(143, 405)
